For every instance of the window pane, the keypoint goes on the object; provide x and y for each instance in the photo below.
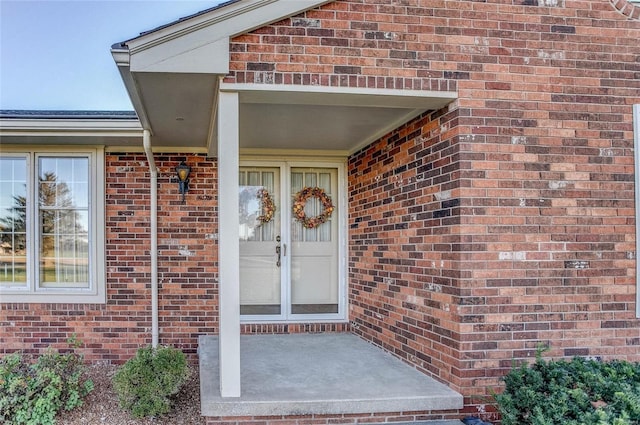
(13, 222)
(313, 206)
(64, 222)
(13, 169)
(251, 206)
(12, 193)
(82, 222)
(80, 194)
(64, 182)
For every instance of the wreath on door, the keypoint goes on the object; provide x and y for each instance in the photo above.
(267, 206)
(300, 200)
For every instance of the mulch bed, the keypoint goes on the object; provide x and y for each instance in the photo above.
(101, 405)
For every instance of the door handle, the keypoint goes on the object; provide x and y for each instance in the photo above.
(278, 250)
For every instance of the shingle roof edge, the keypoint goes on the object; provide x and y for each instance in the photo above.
(123, 44)
(54, 114)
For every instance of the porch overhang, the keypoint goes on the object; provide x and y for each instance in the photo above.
(174, 75)
(338, 119)
(175, 79)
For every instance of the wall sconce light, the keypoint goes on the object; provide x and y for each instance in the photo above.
(183, 171)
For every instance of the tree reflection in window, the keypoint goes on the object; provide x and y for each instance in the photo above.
(63, 220)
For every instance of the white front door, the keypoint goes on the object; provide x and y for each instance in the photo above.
(290, 249)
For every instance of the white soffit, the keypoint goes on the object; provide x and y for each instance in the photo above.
(180, 107)
(172, 72)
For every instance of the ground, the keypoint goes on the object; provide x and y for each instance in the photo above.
(101, 405)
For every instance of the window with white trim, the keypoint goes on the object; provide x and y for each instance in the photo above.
(52, 226)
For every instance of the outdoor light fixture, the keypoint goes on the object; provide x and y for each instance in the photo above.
(183, 171)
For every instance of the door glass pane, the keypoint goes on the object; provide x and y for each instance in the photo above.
(314, 250)
(13, 221)
(63, 194)
(259, 209)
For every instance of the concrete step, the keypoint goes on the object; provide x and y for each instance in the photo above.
(322, 374)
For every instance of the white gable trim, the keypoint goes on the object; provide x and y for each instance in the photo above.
(201, 44)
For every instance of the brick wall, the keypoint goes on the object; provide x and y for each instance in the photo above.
(187, 273)
(405, 244)
(343, 419)
(345, 44)
(522, 231)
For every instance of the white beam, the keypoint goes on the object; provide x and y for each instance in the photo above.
(228, 244)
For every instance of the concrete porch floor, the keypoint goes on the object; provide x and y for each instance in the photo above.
(332, 373)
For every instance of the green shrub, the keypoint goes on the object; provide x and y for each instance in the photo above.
(575, 392)
(145, 383)
(33, 394)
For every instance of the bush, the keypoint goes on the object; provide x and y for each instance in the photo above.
(574, 392)
(33, 394)
(145, 383)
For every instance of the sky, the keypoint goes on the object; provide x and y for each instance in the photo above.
(55, 54)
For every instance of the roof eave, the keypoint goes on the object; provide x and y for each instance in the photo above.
(69, 130)
(190, 53)
(122, 57)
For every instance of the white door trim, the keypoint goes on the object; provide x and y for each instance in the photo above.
(285, 165)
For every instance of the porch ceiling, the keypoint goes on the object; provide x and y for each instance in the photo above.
(180, 111)
(326, 118)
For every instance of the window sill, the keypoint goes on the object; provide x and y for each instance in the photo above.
(52, 297)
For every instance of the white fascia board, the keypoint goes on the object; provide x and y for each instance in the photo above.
(27, 129)
(201, 44)
(70, 125)
(122, 60)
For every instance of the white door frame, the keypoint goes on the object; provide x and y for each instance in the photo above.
(286, 164)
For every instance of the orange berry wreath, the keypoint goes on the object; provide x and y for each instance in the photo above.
(267, 206)
(300, 200)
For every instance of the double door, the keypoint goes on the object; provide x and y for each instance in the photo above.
(290, 250)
